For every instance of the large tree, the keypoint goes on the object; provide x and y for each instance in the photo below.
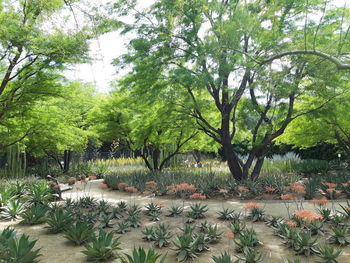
(250, 61)
(37, 43)
(151, 127)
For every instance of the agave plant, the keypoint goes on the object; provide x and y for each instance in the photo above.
(340, 235)
(226, 214)
(122, 228)
(213, 234)
(102, 247)
(237, 227)
(198, 210)
(134, 221)
(185, 247)
(12, 210)
(305, 244)
(20, 250)
(122, 206)
(154, 217)
(224, 258)
(140, 256)
(117, 213)
(5, 236)
(134, 210)
(162, 235)
(148, 233)
(39, 193)
(256, 214)
(325, 213)
(87, 202)
(79, 233)
(251, 255)
(201, 242)
(58, 220)
(175, 210)
(273, 221)
(315, 227)
(247, 238)
(103, 207)
(187, 229)
(328, 254)
(152, 208)
(346, 210)
(105, 221)
(34, 214)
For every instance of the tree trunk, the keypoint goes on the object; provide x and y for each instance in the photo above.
(257, 168)
(155, 158)
(66, 160)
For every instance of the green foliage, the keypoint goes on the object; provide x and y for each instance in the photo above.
(226, 214)
(247, 239)
(141, 256)
(340, 235)
(224, 258)
(17, 250)
(12, 210)
(161, 235)
(198, 210)
(79, 233)
(34, 214)
(185, 247)
(328, 254)
(102, 247)
(305, 244)
(58, 220)
(148, 233)
(122, 228)
(251, 255)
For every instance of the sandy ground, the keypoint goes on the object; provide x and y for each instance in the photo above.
(57, 249)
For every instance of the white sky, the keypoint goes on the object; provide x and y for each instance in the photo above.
(100, 71)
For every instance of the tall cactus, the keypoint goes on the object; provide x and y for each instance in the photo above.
(16, 162)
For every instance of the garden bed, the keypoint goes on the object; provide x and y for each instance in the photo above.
(56, 248)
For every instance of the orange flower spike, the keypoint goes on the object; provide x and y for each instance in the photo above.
(243, 189)
(223, 191)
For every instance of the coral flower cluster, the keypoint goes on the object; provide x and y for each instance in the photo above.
(197, 196)
(131, 189)
(243, 189)
(320, 202)
(252, 205)
(292, 223)
(223, 191)
(270, 189)
(122, 186)
(180, 188)
(151, 184)
(289, 197)
(307, 215)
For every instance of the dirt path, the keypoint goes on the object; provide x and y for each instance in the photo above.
(56, 248)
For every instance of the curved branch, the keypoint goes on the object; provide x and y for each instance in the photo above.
(339, 64)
